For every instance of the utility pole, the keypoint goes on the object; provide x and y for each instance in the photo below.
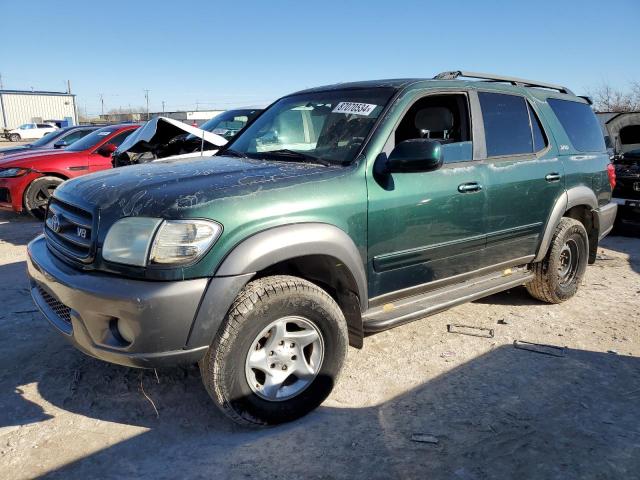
(101, 104)
(1, 84)
(68, 86)
(146, 96)
(162, 106)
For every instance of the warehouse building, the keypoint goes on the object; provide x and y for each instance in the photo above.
(22, 106)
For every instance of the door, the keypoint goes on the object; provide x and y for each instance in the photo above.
(524, 176)
(429, 226)
(100, 160)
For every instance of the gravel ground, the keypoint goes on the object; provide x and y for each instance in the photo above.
(494, 411)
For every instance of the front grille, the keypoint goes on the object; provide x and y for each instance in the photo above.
(59, 308)
(70, 230)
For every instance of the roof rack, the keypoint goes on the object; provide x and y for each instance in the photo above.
(520, 82)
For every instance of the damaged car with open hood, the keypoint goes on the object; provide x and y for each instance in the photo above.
(163, 137)
(340, 211)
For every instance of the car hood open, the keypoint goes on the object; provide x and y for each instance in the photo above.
(158, 139)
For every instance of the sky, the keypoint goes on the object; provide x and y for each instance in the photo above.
(218, 55)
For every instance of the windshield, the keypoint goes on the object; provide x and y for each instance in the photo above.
(91, 140)
(227, 124)
(48, 138)
(330, 125)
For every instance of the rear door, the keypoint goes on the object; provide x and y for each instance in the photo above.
(525, 175)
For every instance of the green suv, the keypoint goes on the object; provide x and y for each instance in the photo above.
(338, 212)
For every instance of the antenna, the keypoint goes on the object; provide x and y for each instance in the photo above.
(146, 96)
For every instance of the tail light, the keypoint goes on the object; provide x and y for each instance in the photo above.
(611, 171)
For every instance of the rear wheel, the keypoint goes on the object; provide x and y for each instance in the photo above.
(14, 137)
(37, 195)
(559, 275)
(279, 352)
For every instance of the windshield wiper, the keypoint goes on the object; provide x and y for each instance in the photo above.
(292, 154)
(234, 153)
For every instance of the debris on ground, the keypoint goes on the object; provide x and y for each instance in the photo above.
(470, 330)
(542, 348)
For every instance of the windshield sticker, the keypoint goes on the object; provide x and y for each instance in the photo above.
(354, 108)
(102, 134)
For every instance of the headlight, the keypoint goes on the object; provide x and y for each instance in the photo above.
(141, 240)
(129, 239)
(13, 172)
(183, 241)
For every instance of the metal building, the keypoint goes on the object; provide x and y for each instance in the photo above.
(21, 106)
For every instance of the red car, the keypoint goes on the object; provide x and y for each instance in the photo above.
(28, 180)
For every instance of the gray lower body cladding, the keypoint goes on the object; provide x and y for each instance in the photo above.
(166, 323)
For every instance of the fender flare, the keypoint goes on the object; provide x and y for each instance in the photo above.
(579, 195)
(263, 250)
(290, 241)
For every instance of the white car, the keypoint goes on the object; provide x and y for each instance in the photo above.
(30, 131)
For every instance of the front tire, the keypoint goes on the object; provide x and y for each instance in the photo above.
(559, 274)
(37, 195)
(14, 137)
(278, 353)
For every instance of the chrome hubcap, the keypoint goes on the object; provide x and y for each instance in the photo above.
(284, 358)
(569, 256)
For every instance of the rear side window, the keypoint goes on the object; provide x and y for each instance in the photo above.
(580, 123)
(506, 124)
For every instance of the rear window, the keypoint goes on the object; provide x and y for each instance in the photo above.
(506, 124)
(580, 123)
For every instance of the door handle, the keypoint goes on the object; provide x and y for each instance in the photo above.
(552, 177)
(469, 187)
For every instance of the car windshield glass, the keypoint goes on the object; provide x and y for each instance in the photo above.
(228, 123)
(329, 125)
(91, 140)
(48, 138)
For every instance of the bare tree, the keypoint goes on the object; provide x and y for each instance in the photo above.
(608, 99)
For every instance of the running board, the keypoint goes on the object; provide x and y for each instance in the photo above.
(419, 306)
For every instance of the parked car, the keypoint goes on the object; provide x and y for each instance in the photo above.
(340, 211)
(58, 139)
(164, 137)
(29, 131)
(28, 180)
(627, 191)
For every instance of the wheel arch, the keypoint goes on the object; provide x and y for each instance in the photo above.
(318, 252)
(42, 174)
(578, 203)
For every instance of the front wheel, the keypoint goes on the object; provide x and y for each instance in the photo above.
(559, 274)
(14, 137)
(38, 193)
(279, 352)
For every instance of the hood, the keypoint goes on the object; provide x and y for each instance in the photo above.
(30, 157)
(178, 188)
(155, 137)
(13, 150)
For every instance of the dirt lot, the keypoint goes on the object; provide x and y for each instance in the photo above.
(496, 411)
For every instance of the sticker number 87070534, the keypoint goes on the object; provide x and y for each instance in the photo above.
(354, 108)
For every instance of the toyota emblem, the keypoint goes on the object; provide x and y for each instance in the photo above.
(54, 223)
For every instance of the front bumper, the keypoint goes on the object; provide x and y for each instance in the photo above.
(87, 307)
(606, 216)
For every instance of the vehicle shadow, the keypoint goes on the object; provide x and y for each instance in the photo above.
(506, 414)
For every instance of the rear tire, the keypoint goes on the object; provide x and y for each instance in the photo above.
(559, 274)
(287, 337)
(37, 195)
(14, 137)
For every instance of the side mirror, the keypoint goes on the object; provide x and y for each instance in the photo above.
(107, 150)
(60, 144)
(415, 155)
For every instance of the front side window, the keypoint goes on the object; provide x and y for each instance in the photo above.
(506, 124)
(26, 126)
(580, 123)
(444, 118)
(329, 126)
